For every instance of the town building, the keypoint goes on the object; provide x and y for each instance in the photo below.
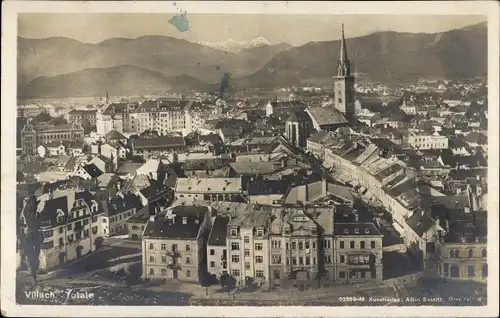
(358, 249)
(248, 245)
(301, 246)
(70, 224)
(117, 211)
(174, 244)
(28, 111)
(158, 146)
(210, 189)
(82, 115)
(34, 136)
(425, 141)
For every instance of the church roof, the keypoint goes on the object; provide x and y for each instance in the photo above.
(326, 116)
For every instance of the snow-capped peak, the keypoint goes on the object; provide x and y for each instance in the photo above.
(231, 45)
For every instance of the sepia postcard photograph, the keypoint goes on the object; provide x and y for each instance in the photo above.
(247, 159)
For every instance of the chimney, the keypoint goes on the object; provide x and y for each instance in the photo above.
(323, 186)
(152, 218)
(184, 220)
(356, 216)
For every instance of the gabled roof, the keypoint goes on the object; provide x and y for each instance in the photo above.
(160, 142)
(114, 134)
(326, 116)
(184, 223)
(92, 170)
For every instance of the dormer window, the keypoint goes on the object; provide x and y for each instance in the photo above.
(184, 220)
(234, 232)
(356, 231)
(259, 233)
(367, 231)
(346, 231)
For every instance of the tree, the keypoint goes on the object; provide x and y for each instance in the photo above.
(32, 239)
(43, 117)
(59, 121)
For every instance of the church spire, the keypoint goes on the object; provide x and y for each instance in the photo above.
(107, 97)
(344, 67)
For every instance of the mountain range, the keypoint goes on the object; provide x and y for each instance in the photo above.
(61, 67)
(236, 46)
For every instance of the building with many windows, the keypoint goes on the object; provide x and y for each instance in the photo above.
(34, 136)
(462, 249)
(358, 250)
(425, 141)
(81, 115)
(70, 224)
(174, 243)
(301, 246)
(247, 242)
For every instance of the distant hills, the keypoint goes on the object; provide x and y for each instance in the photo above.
(382, 56)
(59, 67)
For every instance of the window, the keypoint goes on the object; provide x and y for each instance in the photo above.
(372, 244)
(294, 245)
(70, 227)
(164, 260)
(483, 252)
(300, 245)
(151, 259)
(351, 244)
(188, 273)
(61, 230)
(457, 254)
(341, 245)
(86, 233)
(151, 271)
(235, 258)
(163, 247)
(341, 274)
(259, 259)
(212, 251)
(342, 258)
(212, 264)
(326, 244)
(151, 246)
(288, 261)
(314, 260)
(276, 274)
(235, 246)
(259, 233)
(246, 239)
(163, 272)
(70, 238)
(484, 270)
(470, 253)
(236, 272)
(446, 269)
(307, 245)
(188, 260)
(247, 252)
(470, 270)
(259, 273)
(258, 246)
(294, 260)
(301, 260)
(452, 253)
(362, 244)
(276, 259)
(287, 246)
(188, 248)
(234, 232)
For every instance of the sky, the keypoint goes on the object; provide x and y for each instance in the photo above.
(292, 29)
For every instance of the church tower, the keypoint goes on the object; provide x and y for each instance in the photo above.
(343, 84)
